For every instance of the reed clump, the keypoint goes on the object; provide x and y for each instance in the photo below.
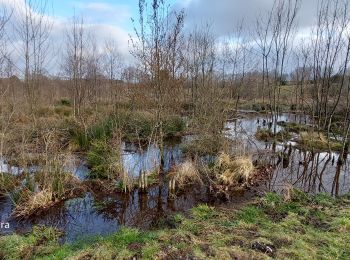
(41, 191)
(233, 171)
(186, 173)
(8, 182)
(31, 202)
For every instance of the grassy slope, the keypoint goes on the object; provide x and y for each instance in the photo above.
(302, 228)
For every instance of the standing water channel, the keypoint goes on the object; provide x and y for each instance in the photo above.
(100, 214)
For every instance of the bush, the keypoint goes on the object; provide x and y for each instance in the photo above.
(318, 141)
(257, 107)
(8, 182)
(65, 102)
(174, 125)
(63, 111)
(205, 145)
(97, 159)
(104, 160)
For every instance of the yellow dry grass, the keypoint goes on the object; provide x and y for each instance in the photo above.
(232, 171)
(313, 136)
(186, 173)
(31, 202)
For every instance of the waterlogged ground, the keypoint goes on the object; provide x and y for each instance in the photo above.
(291, 166)
(300, 227)
(101, 214)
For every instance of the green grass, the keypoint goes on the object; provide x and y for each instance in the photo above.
(40, 241)
(104, 160)
(134, 126)
(303, 227)
(7, 183)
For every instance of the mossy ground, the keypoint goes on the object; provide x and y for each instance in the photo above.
(303, 227)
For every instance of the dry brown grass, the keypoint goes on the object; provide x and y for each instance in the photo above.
(186, 173)
(232, 171)
(318, 141)
(31, 202)
(50, 190)
(313, 136)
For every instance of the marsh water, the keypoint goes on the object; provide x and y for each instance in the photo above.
(100, 214)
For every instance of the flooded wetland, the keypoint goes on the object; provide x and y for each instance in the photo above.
(158, 129)
(101, 213)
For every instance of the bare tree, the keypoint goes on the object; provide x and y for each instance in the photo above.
(33, 28)
(6, 113)
(112, 65)
(74, 63)
(157, 48)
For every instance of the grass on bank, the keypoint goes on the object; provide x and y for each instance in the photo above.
(301, 227)
(267, 135)
(134, 126)
(318, 142)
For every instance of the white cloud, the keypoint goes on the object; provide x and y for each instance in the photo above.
(104, 12)
(101, 29)
(225, 14)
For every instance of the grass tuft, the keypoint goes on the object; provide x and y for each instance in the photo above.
(233, 171)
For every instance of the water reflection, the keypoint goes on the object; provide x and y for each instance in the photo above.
(103, 214)
(147, 159)
(98, 214)
(306, 170)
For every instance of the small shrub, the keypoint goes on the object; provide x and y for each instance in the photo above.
(293, 127)
(267, 135)
(204, 145)
(65, 102)
(173, 125)
(97, 159)
(63, 111)
(8, 182)
(30, 202)
(257, 107)
(104, 159)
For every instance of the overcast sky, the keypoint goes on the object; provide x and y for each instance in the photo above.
(112, 18)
